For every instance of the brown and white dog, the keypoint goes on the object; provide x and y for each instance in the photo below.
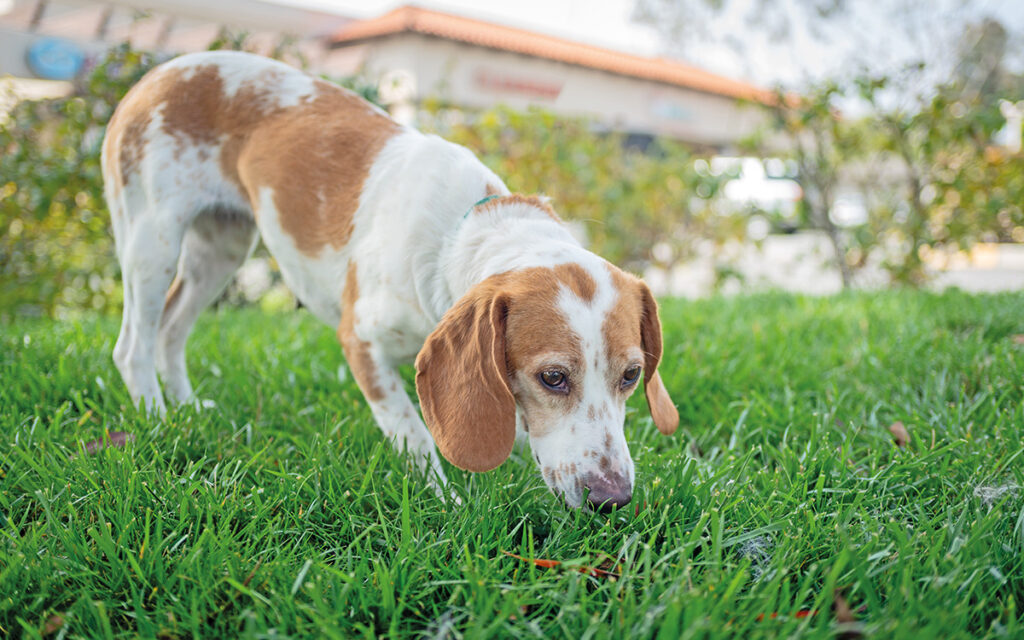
(516, 326)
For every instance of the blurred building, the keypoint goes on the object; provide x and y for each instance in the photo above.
(415, 53)
(44, 44)
(470, 63)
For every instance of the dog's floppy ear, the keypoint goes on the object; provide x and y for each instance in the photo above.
(462, 382)
(663, 411)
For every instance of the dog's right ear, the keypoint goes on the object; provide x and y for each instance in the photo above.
(462, 382)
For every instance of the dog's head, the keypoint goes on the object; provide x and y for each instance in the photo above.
(567, 345)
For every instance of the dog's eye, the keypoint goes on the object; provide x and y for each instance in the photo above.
(631, 375)
(554, 380)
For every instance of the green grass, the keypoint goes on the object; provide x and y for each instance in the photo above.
(281, 511)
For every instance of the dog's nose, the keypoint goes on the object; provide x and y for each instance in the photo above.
(608, 491)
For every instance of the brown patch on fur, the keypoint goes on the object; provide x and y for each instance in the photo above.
(316, 160)
(173, 293)
(591, 413)
(607, 441)
(315, 156)
(634, 320)
(194, 111)
(577, 279)
(621, 329)
(492, 190)
(357, 352)
(536, 326)
(516, 198)
(605, 465)
(132, 149)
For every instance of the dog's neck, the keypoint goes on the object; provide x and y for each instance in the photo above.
(498, 239)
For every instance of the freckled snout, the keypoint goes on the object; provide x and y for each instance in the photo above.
(607, 491)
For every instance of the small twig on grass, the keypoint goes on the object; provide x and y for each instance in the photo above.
(549, 564)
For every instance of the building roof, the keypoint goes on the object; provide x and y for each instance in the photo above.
(410, 19)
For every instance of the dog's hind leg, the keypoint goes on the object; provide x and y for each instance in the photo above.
(148, 245)
(215, 245)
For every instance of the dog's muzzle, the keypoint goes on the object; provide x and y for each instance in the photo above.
(608, 491)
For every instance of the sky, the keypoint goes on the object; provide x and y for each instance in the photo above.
(870, 34)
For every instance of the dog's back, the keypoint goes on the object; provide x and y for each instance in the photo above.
(221, 125)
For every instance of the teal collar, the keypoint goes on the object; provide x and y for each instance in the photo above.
(478, 203)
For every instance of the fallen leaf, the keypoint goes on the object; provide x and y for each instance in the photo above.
(899, 434)
(116, 439)
(548, 564)
(523, 609)
(843, 612)
(847, 628)
(53, 624)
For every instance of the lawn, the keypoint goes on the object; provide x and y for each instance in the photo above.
(281, 512)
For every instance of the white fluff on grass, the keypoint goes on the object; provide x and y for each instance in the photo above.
(758, 551)
(991, 495)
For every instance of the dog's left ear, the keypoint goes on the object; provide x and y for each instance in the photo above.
(663, 411)
(462, 382)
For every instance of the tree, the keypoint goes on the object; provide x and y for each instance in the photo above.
(822, 143)
(803, 42)
(958, 187)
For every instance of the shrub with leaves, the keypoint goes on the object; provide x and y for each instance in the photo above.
(630, 201)
(56, 251)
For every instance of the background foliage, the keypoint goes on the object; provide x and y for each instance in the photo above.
(929, 173)
(925, 166)
(631, 199)
(56, 248)
(56, 251)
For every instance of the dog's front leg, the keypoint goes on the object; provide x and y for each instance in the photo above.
(394, 412)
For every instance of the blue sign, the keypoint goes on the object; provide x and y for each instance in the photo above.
(55, 59)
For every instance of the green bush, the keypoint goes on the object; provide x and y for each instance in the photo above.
(630, 200)
(56, 251)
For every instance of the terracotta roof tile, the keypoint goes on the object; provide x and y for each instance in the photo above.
(494, 36)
